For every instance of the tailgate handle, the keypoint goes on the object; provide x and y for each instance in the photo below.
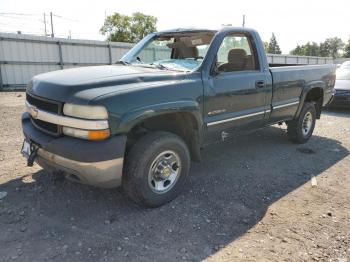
(260, 84)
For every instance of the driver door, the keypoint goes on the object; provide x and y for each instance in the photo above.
(236, 97)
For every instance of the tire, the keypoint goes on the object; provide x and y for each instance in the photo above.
(300, 129)
(156, 169)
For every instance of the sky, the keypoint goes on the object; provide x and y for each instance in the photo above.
(292, 21)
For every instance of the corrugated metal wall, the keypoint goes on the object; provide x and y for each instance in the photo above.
(341, 60)
(304, 60)
(23, 56)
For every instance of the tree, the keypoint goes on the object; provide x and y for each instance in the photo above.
(266, 46)
(274, 48)
(324, 49)
(333, 45)
(347, 50)
(131, 29)
(299, 50)
(309, 49)
(312, 49)
(330, 47)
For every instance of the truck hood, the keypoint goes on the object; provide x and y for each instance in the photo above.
(81, 85)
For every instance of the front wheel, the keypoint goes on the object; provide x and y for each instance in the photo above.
(156, 168)
(301, 128)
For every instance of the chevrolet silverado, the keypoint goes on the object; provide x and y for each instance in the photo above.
(140, 122)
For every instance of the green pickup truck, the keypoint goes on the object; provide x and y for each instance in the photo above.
(139, 123)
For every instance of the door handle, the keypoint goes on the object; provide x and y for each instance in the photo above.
(260, 84)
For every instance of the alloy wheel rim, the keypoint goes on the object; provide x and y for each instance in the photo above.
(164, 172)
(307, 123)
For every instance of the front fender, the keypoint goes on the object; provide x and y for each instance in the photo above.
(132, 118)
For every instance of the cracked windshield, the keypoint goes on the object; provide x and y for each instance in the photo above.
(184, 52)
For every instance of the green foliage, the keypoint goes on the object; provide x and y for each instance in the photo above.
(131, 29)
(266, 46)
(329, 48)
(324, 49)
(273, 47)
(299, 50)
(310, 49)
(347, 50)
(335, 45)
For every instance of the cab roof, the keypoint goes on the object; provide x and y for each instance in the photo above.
(201, 30)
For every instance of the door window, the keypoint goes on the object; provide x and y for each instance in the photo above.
(236, 53)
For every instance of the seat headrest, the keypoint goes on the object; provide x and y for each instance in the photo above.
(189, 52)
(185, 52)
(236, 55)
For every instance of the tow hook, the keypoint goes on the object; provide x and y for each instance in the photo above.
(33, 154)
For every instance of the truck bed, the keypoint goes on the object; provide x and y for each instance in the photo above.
(289, 82)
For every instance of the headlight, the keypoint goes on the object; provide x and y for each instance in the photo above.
(86, 134)
(86, 112)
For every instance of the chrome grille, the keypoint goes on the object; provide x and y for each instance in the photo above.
(49, 106)
(45, 104)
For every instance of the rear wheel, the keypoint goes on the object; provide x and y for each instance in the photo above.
(156, 168)
(300, 129)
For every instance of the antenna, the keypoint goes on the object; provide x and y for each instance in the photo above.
(243, 23)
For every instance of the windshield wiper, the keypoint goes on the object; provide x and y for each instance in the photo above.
(120, 62)
(152, 65)
(160, 66)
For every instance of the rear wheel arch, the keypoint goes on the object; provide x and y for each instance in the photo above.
(314, 95)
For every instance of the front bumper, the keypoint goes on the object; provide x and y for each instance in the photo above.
(98, 163)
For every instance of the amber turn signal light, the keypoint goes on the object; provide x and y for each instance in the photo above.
(98, 134)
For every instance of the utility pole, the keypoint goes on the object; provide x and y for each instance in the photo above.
(45, 24)
(52, 34)
(243, 24)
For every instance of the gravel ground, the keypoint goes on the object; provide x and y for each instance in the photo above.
(256, 198)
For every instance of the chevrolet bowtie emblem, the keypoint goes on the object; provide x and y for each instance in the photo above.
(33, 111)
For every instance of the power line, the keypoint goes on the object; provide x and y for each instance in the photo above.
(15, 21)
(17, 17)
(65, 18)
(19, 22)
(19, 14)
(23, 26)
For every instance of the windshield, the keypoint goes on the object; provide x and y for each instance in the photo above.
(173, 51)
(343, 74)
